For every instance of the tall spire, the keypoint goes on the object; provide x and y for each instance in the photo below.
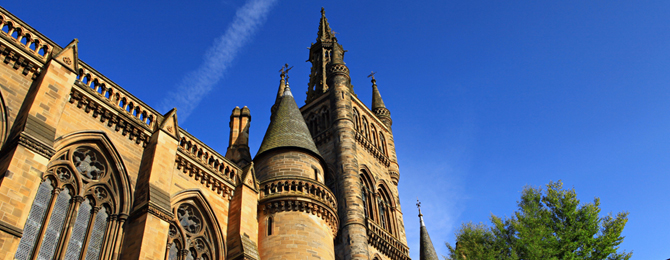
(283, 74)
(323, 54)
(325, 33)
(287, 127)
(427, 251)
(378, 106)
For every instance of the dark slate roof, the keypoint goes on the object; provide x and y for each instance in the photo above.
(287, 128)
(427, 251)
(377, 101)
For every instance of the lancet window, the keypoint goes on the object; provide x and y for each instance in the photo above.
(364, 127)
(378, 205)
(191, 235)
(373, 135)
(77, 212)
(357, 120)
(386, 211)
(382, 143)
(367, 195)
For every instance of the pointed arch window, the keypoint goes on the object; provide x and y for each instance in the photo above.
(75, 207)
(382, 143)
(364, 127)
(386, 214)
(357, 120)
(191, 234)
(367, 195)
(373, 135)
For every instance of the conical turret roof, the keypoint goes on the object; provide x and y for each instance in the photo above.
(426, 251)
(377, 101)
(287, 128)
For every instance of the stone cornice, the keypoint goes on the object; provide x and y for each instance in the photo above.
(17, 60)
(136, 130)
(218, 183)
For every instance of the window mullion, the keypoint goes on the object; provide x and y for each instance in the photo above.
(109, 226)
(89, 229)
(69, 224)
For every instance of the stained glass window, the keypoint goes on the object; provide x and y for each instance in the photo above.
(55, 227)
(79, 231)
(34, 222)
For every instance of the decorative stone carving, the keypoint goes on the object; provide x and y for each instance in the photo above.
(89, 163)
(189, 218)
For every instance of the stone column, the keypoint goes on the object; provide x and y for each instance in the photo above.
(352, 216)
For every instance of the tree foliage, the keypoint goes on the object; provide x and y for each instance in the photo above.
(552, 225)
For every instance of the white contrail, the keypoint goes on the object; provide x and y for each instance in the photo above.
(196, 84)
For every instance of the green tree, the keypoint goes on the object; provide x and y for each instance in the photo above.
(550, 225)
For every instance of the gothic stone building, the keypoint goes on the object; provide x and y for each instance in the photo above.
(91, 172)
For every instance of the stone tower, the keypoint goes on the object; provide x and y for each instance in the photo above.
(356, 143)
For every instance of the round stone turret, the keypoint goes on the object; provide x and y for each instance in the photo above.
(297, 212)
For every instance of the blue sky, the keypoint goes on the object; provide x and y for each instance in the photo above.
(486, 96)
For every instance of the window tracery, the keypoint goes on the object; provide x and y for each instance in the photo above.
(72, 210)
(190, 236)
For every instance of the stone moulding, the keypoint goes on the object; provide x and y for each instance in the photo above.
(136, 131)
(153, 210)
(193, 168)
(11, 229)
(301, 204)
(16, 60)
(35, 145)
(386, 243)
(296, 186)
(373, 150)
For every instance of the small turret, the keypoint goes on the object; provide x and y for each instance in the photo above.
(426, 251)
(293, 193)
(238, 145)
(378, 106)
